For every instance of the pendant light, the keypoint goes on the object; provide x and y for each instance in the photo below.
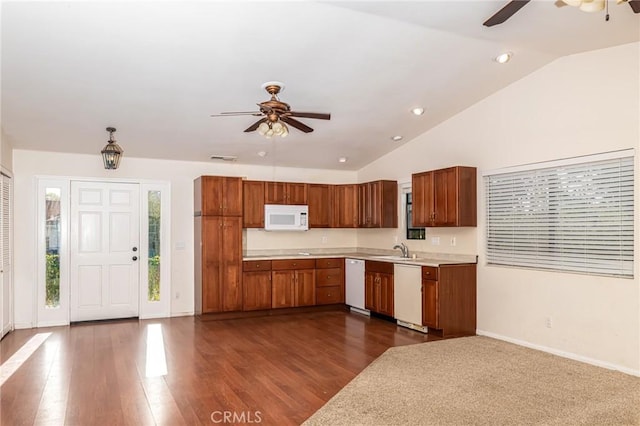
(112, 152)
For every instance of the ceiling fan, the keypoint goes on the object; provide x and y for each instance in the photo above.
(587, 5)
(276, 114)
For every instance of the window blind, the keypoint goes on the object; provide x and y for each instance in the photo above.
(574, 217)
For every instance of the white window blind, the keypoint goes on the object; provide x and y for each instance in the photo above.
(574, 217)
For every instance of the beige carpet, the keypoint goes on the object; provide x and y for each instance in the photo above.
(481, 381)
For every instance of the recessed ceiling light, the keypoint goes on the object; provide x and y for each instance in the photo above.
(342, 159)
(417, 111)
(262, 153)
(396, 138)
(503, 58)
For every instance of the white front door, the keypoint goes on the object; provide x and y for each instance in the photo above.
(105, 235)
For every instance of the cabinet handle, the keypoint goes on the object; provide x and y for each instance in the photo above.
(257, 265)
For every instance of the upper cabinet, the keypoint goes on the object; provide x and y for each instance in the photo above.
(445, 197)
(217, 196)
(378, 204)
(319, 205)
(345, 206)
(285, 193)
(253, 203)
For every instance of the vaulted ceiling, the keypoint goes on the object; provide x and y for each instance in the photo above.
(157, 70)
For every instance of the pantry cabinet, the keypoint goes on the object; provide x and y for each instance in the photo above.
(217, 196)
(444, 197)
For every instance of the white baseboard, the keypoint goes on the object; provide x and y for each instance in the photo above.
(563, 354)
(182, 314)
(22, 325)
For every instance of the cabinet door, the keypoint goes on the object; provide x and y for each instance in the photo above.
(231, 256)
(385, 294)
(282, 289)
(445, 197)
(346, 206)
(232, 196)
(211, 264)
(364, 208)
(318, 198)
(422, 194)
(253, 203)
(296, 193)
(208, 194)
(256, 289)
(305, 289)
(374, 204)
(430, 304)
(275, 193)
(370, 280)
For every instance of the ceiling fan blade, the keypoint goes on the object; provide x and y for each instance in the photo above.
(295, 123)
(255, 125)
(635, 5)
(225, 114)
(317, 115)
(505, 13)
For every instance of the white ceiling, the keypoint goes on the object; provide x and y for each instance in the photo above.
(157, 70)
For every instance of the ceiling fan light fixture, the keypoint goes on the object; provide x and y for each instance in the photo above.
(592, 5)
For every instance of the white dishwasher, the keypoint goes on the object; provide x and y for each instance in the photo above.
(407, 296)
(354, 277)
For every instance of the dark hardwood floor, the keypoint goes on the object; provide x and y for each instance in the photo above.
(274, 370)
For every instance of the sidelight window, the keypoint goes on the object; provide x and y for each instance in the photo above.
(154, 200)
(52, 247)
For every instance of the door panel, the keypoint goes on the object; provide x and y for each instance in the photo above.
(105, 228)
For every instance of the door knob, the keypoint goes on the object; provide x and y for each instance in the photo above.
(135, 249)
(134, 258)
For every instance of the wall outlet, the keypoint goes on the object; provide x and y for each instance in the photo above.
(453, 241)
(549, 322)
(435, 241)
(395, 239)
(324, 239)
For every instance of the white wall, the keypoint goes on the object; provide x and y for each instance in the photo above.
(582, 104)
(6, 151)
(28, 165)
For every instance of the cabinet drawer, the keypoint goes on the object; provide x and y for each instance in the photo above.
(334, 262)
(256, 265)
(329, 277)
(329, 295)
(374, 266)
(278, 265)
(429, 273)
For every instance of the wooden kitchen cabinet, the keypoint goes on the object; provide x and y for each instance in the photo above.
(444, 197)
(217, 196)
(345, 206)
(293, 283)
(218, 253)
(329, 281)
(253, 204)
(378, 287)
(256, 285)
(318, 198)
(449, 299)
(285, 193)
(378, 204)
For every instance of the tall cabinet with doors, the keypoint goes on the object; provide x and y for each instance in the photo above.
(218, 244)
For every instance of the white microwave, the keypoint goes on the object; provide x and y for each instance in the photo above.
(280, 217)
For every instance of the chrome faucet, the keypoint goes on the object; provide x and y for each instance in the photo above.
(403, 248)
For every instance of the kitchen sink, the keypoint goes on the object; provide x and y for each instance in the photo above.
(395, 258)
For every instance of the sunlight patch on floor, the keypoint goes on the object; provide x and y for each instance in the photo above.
(156, 359)
(16, 360)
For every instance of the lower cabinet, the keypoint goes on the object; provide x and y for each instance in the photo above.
(378, 287)
(449, 299)
(329, 281)
(256, 291)
(293, 283)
